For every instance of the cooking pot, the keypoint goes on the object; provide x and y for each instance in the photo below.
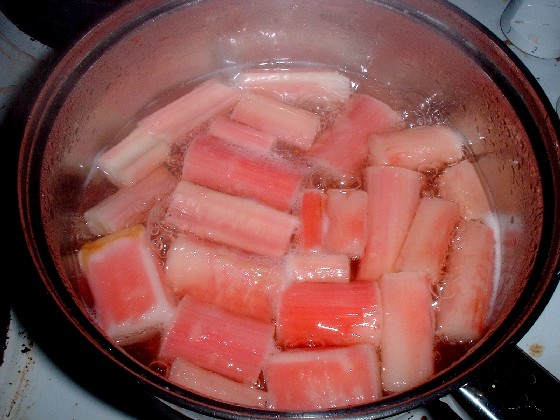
(426, 59)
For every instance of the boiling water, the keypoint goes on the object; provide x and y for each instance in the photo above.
(417, 111)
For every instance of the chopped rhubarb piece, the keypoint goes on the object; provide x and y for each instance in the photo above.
(312, 218)
(315, 379)
(134, 157)
(234, 221)
(329, 314)
(370, 115)
(428, 240)
(466, 290)
(318, 267)
(189, 264)
(340, 149)
(274, 182)
(241, 134)
(239, 283)
(246, 285)
(346, 222)
(212, 385)
(344, 146)
(191, 110)
(126, 282)
(129, 205)
(310, 89)
(393, 197)
(417, 148)
(462, 184)
(407, 337)
(148, 145)
(224, 343)
(296, 126)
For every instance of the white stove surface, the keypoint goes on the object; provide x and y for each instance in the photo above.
(33, 387)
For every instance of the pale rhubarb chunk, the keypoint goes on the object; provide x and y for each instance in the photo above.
(239, 283)
(149, 144)
(461, 183)
(129, 205)
(189, 264)
(233, 221)
(215, 164)
(319, 379)
(191, 110)
(212, 385)
(346, 222)
(133, 158)
(130, 298)
(318, 267)
(219, 341)
(329, 314)
(393, 197)
(343, 147)
(417, 148)
(241, 135)
(295, 126)
(466, 290)
(407, 337)
(311, 89)
(428, 240)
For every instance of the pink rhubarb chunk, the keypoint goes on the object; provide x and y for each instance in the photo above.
(230, 220)
(312, 218)
(314, 379)
(126, 282)
(346, 222)
(318, 267)
(428, 240)
(407, 338)
(241, 135)
(329, 314)
(462, 184)
(296, 126)
(466, 290)
(370, 115)
(274, 182)
(129, 205)
(393, 197)
(212, 385)
(236, 282)
(344, 146)
(417, 148)
(310, 89)
(228, 344)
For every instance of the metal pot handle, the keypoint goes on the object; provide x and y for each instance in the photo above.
(512, 386)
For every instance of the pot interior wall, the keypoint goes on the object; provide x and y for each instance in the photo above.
(418, 65)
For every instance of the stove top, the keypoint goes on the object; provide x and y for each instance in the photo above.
(32, 386)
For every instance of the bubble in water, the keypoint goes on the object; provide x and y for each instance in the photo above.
(160, 367)
(346, 182)
(324, 179)
(429, 112)
(429, 169)
(319, 179)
